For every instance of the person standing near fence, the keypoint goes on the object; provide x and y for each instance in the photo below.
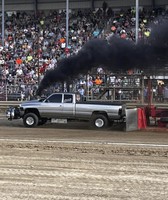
(166, 93)
(160, 93)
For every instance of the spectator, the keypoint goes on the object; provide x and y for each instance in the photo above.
(104, 6)
(98, 80)
(146, 96)
(81, 91)
(165, 92)
(160, 92)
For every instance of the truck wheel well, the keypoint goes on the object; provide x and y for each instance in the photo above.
(100, 112)
(32, 110)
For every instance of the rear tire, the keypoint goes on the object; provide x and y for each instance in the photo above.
(99, 121)
(30, 120)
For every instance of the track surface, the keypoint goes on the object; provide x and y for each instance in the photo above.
(73, 162)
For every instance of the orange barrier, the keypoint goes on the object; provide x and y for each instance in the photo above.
(142, 123)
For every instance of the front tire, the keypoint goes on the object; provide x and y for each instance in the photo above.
(99, 121)
(30, 120)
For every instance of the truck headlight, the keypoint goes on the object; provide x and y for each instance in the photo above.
(12, 113)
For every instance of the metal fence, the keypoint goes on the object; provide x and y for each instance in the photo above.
(128, 88)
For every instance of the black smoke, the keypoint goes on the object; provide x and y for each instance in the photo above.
(115, 54)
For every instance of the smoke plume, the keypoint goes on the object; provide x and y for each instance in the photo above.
(114, 54)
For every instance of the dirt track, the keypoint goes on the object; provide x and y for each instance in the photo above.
(70, 162)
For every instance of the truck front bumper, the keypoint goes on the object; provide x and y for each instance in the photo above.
(13, 113)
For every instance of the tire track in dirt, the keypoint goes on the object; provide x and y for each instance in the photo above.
(75, 171)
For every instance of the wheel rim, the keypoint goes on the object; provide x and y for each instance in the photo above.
(30, 121)
(99, 123)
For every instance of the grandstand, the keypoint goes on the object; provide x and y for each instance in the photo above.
(35, 40)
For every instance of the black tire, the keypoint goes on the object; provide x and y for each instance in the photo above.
(99, 121)
(42, 121)
(30, 120)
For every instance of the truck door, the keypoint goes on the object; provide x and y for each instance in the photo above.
(52, 106)
(68, 106)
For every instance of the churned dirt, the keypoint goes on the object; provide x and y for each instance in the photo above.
(73, 162)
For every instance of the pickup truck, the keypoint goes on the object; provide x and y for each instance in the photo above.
(63, 107)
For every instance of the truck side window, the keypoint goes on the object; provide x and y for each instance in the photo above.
(67, 98)
(55, 98)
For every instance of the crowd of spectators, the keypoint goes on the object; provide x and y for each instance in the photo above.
(35, 43)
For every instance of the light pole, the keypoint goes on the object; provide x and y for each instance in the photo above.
(3, 22)
(137, 22)
(67, 23)
(66, 84)
(3, 44)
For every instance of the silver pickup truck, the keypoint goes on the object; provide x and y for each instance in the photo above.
(62, 107)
